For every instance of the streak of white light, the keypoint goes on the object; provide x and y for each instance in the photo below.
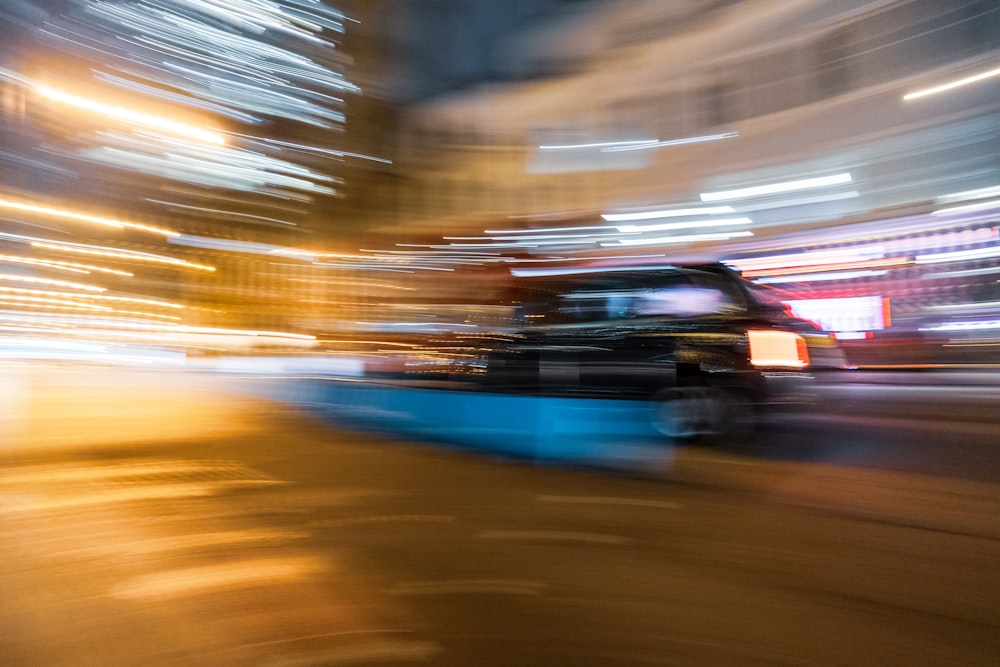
(667, 213)
(689, 238)
(818, 277)
(775, 188)
(695, 224)
(654, 143)
(968, 208)
(953, 84)
(958, 255)
(53, 283)
(965, 195)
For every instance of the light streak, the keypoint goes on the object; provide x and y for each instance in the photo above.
(810, 259)
(355, 283)
(130, 299)
(638, 144)
(141, 257)
(66, 266)
(35, 320)
(530, 272)
(11, 259)
(968, 208)
(868, 250)
(131, 116)
(104, 322)
(53, 283)
(958, 255)
(954, 84)
(251, 247)
(832, 266)
(818, 277)
(641, 143)
(775, 188)
(250, 62)
(71, 215)
(684, 225)
(667, 213)
(965, 326)
(965, 195)
(45, 302)
(798, 201)
(100, 297)
(546, 230)
(989, 305)
(234, 172)
(535, 237)
(653, 143)
(690, 238)
(223, 212)
(317, 149)
(143, 314)
(961, 274)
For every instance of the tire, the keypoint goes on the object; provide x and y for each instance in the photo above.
(694, 411)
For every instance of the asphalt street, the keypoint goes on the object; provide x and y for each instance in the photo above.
(170, 518)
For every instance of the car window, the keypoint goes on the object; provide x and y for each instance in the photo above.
(623, 296)
(680, 302)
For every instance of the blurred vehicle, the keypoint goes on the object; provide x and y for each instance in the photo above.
(694, 339)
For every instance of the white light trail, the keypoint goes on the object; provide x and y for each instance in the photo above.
(965, 195)
(669, 240)
(965, 326)
(750, 207)
(52, 283)
(654, 143)
(641, 143)
(958, 255)
(818, 277)
(954, 84)
(812, 258)
(529, 272)
(961, 274)
(775, 188)
(698, 224)
(637, 144)
(968, 208)
(667, 213)
(47, 302)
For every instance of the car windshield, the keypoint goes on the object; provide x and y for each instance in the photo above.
(624, 296)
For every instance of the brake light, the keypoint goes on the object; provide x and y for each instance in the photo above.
(777, 348)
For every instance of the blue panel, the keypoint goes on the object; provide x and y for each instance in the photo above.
(602, 432)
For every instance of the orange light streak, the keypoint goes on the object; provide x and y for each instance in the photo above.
(83, 217)
(123, 255)
(132, 116)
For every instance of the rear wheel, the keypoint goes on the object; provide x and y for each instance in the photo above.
(693, 411)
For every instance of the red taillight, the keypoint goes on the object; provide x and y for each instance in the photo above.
(782, 349)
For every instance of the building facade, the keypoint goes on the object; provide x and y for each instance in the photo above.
(868, 128)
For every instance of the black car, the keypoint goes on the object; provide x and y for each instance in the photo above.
(694, 338)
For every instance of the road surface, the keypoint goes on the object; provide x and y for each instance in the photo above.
(165, 518)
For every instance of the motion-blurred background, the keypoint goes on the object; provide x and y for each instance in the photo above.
(183, 178)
